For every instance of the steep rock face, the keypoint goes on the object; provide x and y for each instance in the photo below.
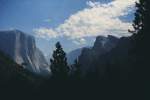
(118, 62)
(101, 46)
(22, 49)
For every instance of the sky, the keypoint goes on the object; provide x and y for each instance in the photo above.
(75, 23)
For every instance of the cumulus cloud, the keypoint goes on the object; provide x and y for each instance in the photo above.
(96, 19)
(45, 33)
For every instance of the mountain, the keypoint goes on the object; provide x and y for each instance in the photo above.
(118, 62)
(101, 46)
(110, 58)
(71, 56)
(21, 48)
(13, 72)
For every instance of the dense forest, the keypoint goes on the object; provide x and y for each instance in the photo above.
(123, 68)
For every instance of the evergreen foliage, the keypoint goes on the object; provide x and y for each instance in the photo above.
(141, 25)
(59, 66)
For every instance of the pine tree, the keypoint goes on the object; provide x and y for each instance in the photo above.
(141, 22)
(141, 25)
(59, 66)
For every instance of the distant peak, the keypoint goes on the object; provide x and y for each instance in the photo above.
(100, 38)
(12, 30)
(101, 41)
(108, 37)
(111, 36)
(16, 32)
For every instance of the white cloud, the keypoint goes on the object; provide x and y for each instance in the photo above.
(46, 33)
(96, 19)
(92, 4)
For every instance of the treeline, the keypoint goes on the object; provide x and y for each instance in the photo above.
(115, 64)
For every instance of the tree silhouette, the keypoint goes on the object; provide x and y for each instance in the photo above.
(141, 22)
(77, 72)
(141, 25)
(59, 66)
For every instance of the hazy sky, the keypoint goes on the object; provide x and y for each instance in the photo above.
(75, 23)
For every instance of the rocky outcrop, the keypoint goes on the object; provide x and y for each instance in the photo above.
(101, 46)
(22, 49)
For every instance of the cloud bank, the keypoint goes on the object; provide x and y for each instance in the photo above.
(96, 19)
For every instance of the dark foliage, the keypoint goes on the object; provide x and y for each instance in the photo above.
(15, 77)
(142, 30)
(59, 66)
(76, 73)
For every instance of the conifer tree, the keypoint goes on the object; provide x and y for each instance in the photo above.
(141, 22)
(141, 25)
(59, 66)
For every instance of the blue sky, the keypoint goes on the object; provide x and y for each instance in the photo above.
(75, 23)
(28, 14)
